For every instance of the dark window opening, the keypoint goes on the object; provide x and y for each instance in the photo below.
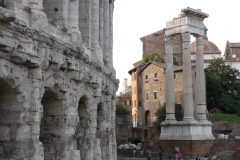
(156, 75)
(155, 95)
(146, 77)
(2, 3)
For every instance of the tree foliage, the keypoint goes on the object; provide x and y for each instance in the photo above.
(161, 114)
(120, 110)
(223, 87)
(152, 58)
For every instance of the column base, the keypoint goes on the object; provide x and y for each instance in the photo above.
(186, 130)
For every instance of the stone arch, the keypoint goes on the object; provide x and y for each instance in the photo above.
(100, 119)
(147, 118)
(51, 124)
(83, 124)
(11, 122)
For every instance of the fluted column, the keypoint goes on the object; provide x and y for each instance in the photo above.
(106, 31)
(187, 78)
(200, 80)
(170, 108)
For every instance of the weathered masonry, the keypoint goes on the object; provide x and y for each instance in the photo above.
(57, 81)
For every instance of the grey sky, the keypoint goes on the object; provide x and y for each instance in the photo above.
(134, 19)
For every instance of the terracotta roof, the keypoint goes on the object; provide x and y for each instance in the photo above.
(208, 47)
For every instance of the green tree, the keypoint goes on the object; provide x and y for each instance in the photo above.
(152, 58)
(161, 114)
(223, 87)
(120, 110)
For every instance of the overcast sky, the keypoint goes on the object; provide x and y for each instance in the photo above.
(134, 19)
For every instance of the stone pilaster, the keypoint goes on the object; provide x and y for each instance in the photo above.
(187, 78)
(73, 13)
(106, 32)
(170, 108)
(101, 18)
(85, 20)
(95, 10)
(200, 80)
(111, 8)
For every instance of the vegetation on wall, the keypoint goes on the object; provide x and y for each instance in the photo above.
(161, 114)
(152, 58)
(120, 110)
(223, 87)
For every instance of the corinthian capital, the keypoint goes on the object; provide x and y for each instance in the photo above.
(199, 40)
(168, 40)
(186, 37)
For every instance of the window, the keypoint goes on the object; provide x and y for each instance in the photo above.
(135, 103)
(147, 97)
(128, 102)
(194, 57)
(155, 95)
(146, 77)
(174, 76)
(139, 103)
(156, 35)
(156, 75)
(195, 74)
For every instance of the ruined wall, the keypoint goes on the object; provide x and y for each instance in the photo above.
(57, 90)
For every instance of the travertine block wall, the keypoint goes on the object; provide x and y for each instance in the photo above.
(57, 97)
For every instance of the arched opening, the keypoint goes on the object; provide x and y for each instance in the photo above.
(147, 118)
(9, 117)
(82, 124)
(49, 125)
(99, 119)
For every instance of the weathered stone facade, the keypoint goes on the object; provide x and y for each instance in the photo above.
(57, 81)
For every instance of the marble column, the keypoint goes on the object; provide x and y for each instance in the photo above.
(187, 78)
(106, 31)
(200, 80)
(170, 108)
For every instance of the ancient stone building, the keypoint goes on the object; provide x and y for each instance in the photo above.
(148, 91)
(57, 81)
(154, 43)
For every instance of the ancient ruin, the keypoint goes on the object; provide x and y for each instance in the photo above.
(57, 81)
(194, 134)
